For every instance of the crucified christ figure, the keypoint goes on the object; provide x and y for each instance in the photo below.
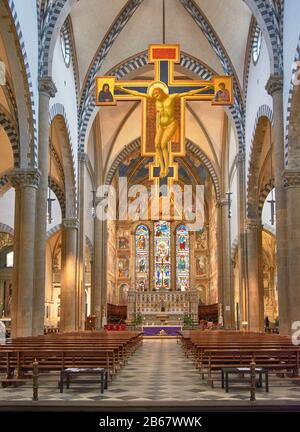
(166, 124)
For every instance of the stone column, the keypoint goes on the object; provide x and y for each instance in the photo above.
(255, 281)
(99, 290)
(225, 292)
(242, 237)
(82, 162)
(68, 303)
(26, 183)
(47, 90)
(292, 183)
(274, 88)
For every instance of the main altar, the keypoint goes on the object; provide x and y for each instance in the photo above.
(162, 307)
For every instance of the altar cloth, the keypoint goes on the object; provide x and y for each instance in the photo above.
(155, 330)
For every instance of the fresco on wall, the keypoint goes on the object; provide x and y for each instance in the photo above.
(202, 266)
(123, 243)
(201, 240)
(123, 268)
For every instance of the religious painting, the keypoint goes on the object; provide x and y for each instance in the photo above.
(142, 257)
(105, 88)
(123, 268)
(163, 108)
(223, 91)
(123, 242)
(162, 260)
(201, 266)
(201, 240)
(182, 258)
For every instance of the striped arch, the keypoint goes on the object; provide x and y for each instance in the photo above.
(60, 195)
(264, 111)
(237, 111)
(263, 196)
(269, 15)
(127, 150)
(53, 231)
(13, 137)
(249, 50)
(140, 60)
(193, 148)
(51, 20)
(58, 110)
(6, 229)
(105, 46)
(30, 90)
(293, 104)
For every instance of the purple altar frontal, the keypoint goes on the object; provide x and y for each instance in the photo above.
(162, 330)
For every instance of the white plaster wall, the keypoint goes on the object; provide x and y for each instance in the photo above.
(27, 16)
(233, 148)
(266, 212)
(56, 213)
(234, 208)
(63, 78)
(291, 35)
(7, 208)
(256, 94)
(89, 224)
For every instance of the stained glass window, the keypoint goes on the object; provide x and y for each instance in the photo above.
(142, 258)
(182, 259)
(162, 258)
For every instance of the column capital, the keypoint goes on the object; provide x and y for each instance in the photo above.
(222, 202)
(70, 223)
(252, 224)
(46, 85)
(291, 178)
(83, 157)
(274, 84)
(24, 177)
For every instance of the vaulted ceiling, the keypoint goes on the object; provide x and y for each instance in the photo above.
(92, 19)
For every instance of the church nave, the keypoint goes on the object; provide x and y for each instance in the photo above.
(157, 372)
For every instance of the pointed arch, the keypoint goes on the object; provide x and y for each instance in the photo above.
(256, 198)
(24, 94)
(192, 147)
(58, 113)
(12, 135)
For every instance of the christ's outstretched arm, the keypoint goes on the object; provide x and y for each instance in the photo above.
(194, 92)
(132, 92)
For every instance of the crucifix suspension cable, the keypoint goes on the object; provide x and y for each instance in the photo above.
(164, 21)
(272, 201)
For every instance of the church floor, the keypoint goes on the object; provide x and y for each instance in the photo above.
(158, 371)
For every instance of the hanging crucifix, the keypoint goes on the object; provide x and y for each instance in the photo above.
(163, 107)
